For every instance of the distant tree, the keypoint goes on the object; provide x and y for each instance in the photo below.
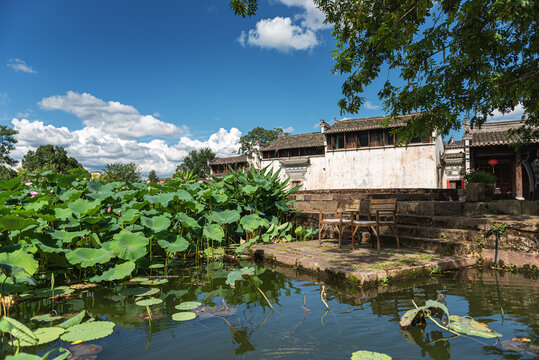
(197, 162)
(258, 134)
(49, 157)
(152, 177)
(121, 172)
(7, 142)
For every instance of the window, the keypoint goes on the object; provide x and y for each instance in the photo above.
(364, 138)
(376, 138)
(339, 141)
(389, 139)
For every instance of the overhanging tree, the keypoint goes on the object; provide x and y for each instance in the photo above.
(452, 57)
(7, 143)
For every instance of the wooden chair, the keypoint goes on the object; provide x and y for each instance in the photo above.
(341, 217)
(382, 212)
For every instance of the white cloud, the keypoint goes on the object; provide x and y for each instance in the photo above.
(516, 114)
(289, 129)
(282, 34)
(20, 65)
(111, 117)
(279, 33)
(97, 144)
(3, 99)
(370, 106)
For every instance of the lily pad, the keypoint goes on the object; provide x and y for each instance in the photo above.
(139, 279)
(369, 355)
(469, 326)
(149, 302)
(87, 257)
(183, 316)
(188, 305)
(75, 320)
(45, 335)
(46, 318)
(149, 292)
(88, 331)
(154, 282)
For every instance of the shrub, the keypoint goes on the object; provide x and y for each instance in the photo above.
(479, 176)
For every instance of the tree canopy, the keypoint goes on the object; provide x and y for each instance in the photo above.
(258, 134)
(49, 157)
(129, 172)
(152, 177)
(197, 162)
(7, 142)
(451, 57)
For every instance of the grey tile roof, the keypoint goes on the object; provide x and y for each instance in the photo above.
(296, 141)
(490, 138)
(341, 126)
(455, 145)
(228, 160)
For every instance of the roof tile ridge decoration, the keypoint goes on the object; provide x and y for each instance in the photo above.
(369, 123)
(228, 160)
(296, 141)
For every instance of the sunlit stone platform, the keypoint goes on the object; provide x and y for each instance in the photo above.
(363, 266)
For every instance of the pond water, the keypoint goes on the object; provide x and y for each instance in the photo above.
(237, 323)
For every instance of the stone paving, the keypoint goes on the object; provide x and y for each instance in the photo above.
(363, 265)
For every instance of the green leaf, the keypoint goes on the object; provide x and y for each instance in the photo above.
(18, 330)
(156, 223)
(15, 222)
(149, 302)
(188, 305)
(225, 216)
(214, 232)
(22, 259)
(88, 331)
(45, 335)
(75, 320)
(164, 198)
(180, 244)
(36, 206)
(62, 214)
(468, 326)
(183, 316)
(46, 318)
(129, 246)
(84, 207)
(116, 273)
(149, 292)
(183, 195)
(249, 189)
(67, 237)
(252, 222)
(369, 355)
(94, 185)
(188, 221)
(87, 257)
(154, 282)
(237, 275)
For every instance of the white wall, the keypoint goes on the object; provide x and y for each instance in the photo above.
(413, 166)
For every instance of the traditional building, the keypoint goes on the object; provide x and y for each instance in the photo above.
(221, 166)
(453, 164)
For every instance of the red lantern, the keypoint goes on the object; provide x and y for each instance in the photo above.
(493, 162)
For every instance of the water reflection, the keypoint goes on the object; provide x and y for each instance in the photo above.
(237, 322)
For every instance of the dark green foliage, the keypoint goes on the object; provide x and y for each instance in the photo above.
(258, 134)
(121, 172)
(152, 177)
(7, 173)
(49, 157)
(480, 176)
(454, 57)
(244, 7)
(7, 142)
(196, 162)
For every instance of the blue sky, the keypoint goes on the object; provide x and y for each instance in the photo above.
(147, 81)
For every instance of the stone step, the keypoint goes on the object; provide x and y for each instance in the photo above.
(440, 233)
(442, 246)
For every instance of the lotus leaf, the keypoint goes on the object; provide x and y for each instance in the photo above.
(139, 279)
(87, 257)
(214, 232)
(156, 266)
(14, 222)
(62, 214)
(68, 236)
(188, 221)
(84, 207)
(70, 195)
(149, 302)
(183, 316)
(154, 282)
(36, 206)
(24, 356)
(183, 195)
(188, 305)
(129, 246)
(237, 275)
(219, 198)
(48, 249)
(369, 355)
(412, 315)
(45, 335)
(20, 258)
(130, 216)
(249, 189)
(225, 216)
(18, 330)
(150, 292)
(180, 244)
(94, 185)
(469, 326)
(156, 223)
(164, 199)
(88, 331)
(75, 320)
(252, 222)
(116, 273)
(47, 292)
(46, 318)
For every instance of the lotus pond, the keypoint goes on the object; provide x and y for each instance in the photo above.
(231, 318)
